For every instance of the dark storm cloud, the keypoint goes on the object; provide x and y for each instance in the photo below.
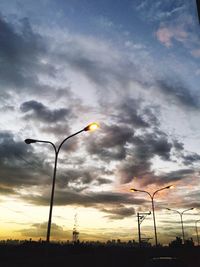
(142, 169)
(190, 158)
(177, 92)
(76, 179)
(170, 177)
(59, 129)
(25, 57)
(130, 114)
(84, 199)
(151, 141)
(36, 110)
(19, 166)
(111, 144)
(135, 140)
(178, 146)
(102, 181)
(10, 148)
(186, 157)
(80, 178)
(179, 174)
(150, 115)
(129, 117)
(144, 148)
(131, 167)
(121, 212)
(150, 144)
(86, 174)
(20, 52)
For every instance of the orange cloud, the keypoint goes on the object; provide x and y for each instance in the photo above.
(166, 34)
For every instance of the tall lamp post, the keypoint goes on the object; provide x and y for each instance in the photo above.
(181, 216)
(197, 231)
(90, 127)
(153, 208)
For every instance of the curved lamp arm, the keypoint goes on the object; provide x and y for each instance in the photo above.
(163, 188)
(30, 141)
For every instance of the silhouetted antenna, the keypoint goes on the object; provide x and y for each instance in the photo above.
(75, 233)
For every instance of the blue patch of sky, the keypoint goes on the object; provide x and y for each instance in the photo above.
(87, 17)
(176, 61)
(126, 20)
(104, 18)
(159, 10)
(79, 15)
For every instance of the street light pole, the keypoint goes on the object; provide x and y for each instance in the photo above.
(153, 207)
(181, 216)
(154, 221)
(197, 231)
(183, 233)
(52, 195)
(90, 127)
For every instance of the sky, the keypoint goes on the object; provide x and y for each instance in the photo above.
(133, 67)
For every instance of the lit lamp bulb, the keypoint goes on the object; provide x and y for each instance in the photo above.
(133, 190)
(92, 126)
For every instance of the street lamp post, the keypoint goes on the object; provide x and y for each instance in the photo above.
(197, 231)
(153, 207)
(181, 216)
(89, 127)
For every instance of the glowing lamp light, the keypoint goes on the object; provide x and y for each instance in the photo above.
(92, 127)
(133, 190)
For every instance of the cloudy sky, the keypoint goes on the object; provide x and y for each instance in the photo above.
(131, 65)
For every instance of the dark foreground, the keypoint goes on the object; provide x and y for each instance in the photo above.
(68, 255)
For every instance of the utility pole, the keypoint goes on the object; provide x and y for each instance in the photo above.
(140, 217)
